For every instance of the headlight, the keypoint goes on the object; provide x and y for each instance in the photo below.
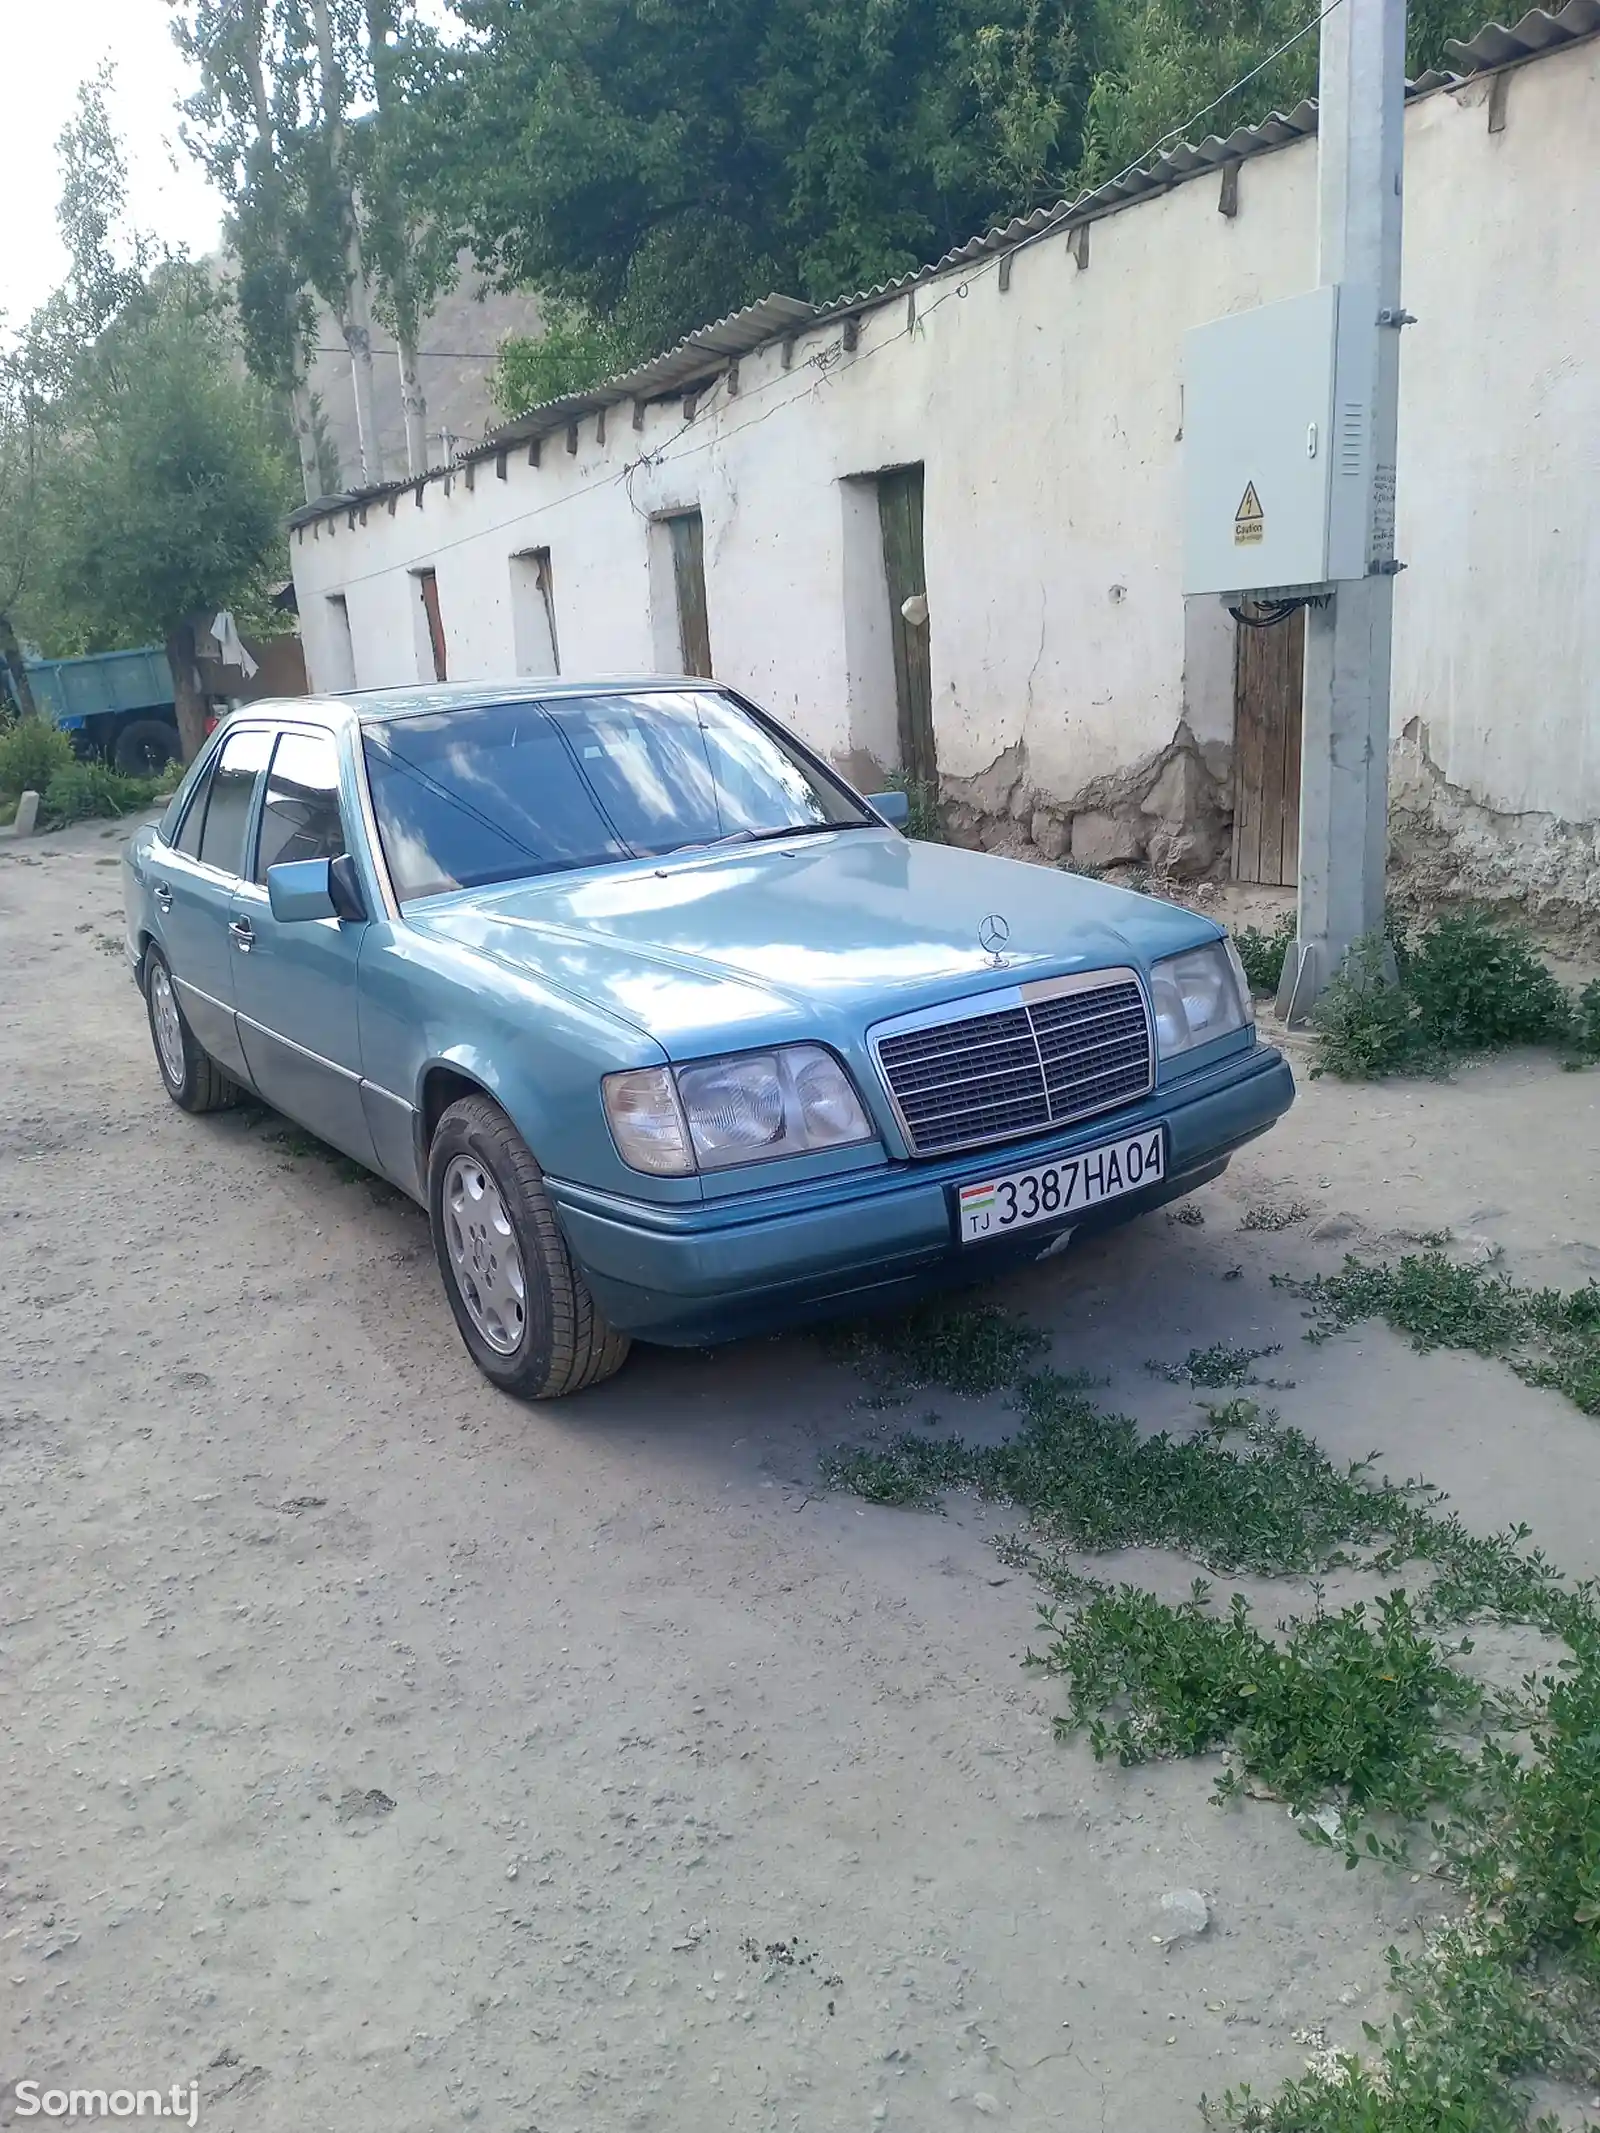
(1198, 996)
(746, 1109)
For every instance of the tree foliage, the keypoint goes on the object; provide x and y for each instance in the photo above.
(143, 475)
(572, 351)
(660, 162)
(168, 494)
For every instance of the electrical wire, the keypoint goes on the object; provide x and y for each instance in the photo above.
(822, 360)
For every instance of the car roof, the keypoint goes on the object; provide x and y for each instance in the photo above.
(369, 706)
(432, 697)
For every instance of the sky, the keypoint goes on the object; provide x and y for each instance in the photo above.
(50, 46)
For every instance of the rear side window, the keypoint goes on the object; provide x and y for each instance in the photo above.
(188, 838)
(233, 787)
(300, 816)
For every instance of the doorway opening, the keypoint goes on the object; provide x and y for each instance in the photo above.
(430, 637)
(1268, 684)
(535, 646)
(341, 645)
(685, 532)
(900, 525)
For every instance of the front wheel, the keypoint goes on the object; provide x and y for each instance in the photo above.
(523, 1308)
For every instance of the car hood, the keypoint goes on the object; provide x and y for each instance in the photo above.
(750, 944)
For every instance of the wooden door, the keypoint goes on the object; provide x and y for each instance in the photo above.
(428, 587)
(689, 578)
(900, 517)
(1268, 681)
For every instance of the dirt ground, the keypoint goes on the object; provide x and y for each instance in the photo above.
(384, 1755)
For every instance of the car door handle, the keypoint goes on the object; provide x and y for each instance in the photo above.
(242, 934)
(163, 896)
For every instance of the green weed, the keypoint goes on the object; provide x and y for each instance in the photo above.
(32, 752)
(1361, 1710)
(1270, 1215)
(1262, 954)
(84, 792)
(1222, 1364)
(1348, 1707)
(1550, 1337)
(1463, 985)
(926, 819)
(972, 1348)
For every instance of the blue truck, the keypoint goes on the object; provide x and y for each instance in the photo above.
(114, 704)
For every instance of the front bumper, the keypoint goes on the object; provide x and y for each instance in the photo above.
(689, 1276)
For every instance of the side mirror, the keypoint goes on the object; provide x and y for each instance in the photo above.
(895, 807)
(315, 888)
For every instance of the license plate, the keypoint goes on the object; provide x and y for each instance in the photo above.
(1024, 1198)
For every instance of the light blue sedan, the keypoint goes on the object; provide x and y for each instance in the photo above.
(673, 1034)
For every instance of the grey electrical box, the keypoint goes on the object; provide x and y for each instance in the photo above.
(1277, 445)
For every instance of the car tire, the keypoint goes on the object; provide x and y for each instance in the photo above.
(523, 1307)
(201, 1084)
(145, 747)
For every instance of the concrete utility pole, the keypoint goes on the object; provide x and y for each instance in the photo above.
(1344, 791)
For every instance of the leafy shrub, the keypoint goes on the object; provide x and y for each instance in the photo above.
(1477, 986)
(1586, 1021)
(1262, 954)
(1366, 1022)
(83, 792)
(1462, 985)
(32, 752)
(924, 820)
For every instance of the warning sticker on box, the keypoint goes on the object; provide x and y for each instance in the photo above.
(1249, 521)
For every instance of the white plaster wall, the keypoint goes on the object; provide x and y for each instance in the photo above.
(1497, 640)
(1048, 420)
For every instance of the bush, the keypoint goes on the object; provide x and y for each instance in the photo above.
(32, 752)
(1477, 987)
(1462, 985)
(1262, 954)
(1366, 1022)
(925, 821)
(83, 792)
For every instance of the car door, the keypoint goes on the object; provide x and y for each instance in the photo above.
(193, 883)
(294, 983)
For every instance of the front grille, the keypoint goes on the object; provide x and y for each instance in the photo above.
(988, 1077)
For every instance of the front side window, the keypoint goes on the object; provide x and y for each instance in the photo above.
(300, 816)
(501, 792)
(233, 786)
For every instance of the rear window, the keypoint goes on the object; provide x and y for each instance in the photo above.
(188, 838)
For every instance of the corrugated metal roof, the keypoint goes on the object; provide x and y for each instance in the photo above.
(1535, 33)
(699, 355)
(706, 351)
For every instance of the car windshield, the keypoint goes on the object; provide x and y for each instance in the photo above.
(499, 792)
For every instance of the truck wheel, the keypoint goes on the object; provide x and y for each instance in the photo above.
(523, 1308)
(145, 747)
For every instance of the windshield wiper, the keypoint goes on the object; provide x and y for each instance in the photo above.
(800, 829)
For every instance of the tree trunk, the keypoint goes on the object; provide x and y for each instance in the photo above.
(17, 668)
(305, 437)
(353, 311)
(413, 403)
(188, 699)
(355, 323)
